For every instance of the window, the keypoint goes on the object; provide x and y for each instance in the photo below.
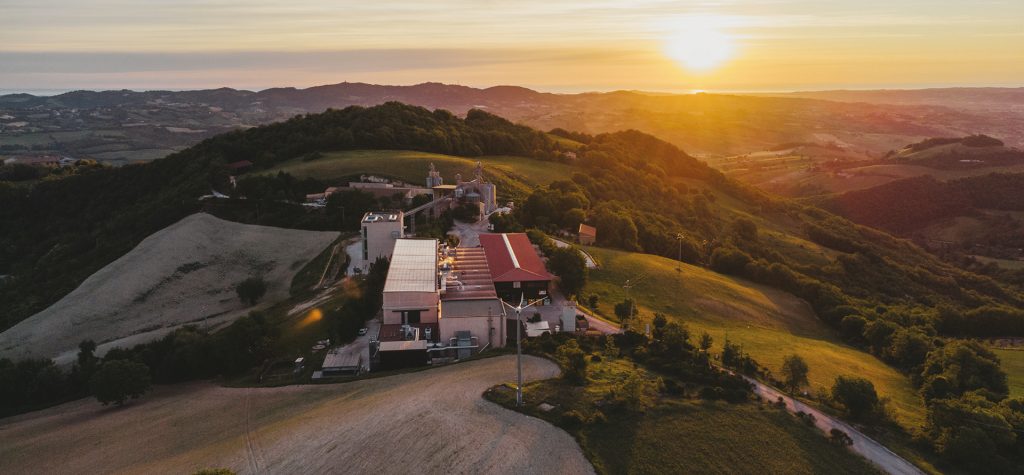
(516, 285)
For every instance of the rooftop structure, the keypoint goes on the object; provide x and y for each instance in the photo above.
(516, 269)
(413, 266)
(511, 257)
(380, 230)
(470, 277)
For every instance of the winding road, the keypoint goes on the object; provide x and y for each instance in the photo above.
(862, 444)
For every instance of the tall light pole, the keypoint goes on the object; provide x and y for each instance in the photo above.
(679, 237)
(519, 345)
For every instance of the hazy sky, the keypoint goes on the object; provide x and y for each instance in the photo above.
(554, 45)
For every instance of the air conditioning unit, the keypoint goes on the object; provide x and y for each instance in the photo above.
(427, 332)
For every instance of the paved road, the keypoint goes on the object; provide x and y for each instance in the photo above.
(431, 421)
(591, 264)
(862, 444)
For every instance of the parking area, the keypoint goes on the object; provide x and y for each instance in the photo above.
(356, 354)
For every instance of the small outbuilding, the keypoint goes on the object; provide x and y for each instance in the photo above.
(587, 235)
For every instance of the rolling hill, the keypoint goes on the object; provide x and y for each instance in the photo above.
(125, 126)
(183, 274)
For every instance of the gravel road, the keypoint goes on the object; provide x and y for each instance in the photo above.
(432, 421)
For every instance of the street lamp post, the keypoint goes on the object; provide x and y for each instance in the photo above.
(519, 346)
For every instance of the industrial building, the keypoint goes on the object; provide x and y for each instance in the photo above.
(439, 303)
(516, 269)
(380, 230)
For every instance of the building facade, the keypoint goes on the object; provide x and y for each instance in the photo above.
(380, 231)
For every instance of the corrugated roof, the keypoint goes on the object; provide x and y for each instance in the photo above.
(587, 230)
(413, 266)
(511, 258)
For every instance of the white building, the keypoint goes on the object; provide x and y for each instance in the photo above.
(380, 231)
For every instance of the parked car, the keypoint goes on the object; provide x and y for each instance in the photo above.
(362, 331)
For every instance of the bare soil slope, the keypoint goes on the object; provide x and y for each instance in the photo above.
(183, 274)
(425, 422)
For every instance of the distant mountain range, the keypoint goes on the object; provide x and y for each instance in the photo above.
(130, 125)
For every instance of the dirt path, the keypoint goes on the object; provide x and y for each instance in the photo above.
(431, 421)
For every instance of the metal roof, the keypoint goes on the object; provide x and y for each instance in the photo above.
(511, 258)
(413, 266)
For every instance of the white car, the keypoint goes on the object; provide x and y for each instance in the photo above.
(362, 331)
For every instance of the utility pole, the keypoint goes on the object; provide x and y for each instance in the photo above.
(519, 345)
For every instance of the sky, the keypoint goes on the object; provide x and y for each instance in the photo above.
(549, 45)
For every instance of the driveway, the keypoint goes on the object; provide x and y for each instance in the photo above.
(432, 421)
(591, 263)
(862, 444)
(469, 233)
(359, 349)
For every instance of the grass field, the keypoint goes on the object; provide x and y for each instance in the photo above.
(515, 176)
(769, 323)
(680, 435)
(1013, 364)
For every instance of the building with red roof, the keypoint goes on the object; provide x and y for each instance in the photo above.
(516, 269)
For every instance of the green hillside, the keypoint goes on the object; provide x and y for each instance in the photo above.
(1013, 363)
(768, 323)
(515, 176)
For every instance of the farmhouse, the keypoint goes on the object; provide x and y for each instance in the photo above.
(587, 235)
(516, 269)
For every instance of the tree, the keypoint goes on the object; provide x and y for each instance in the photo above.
(118, 380)
(794, 372)
(610, 349)
(856, 394)
(251, 290)
(706, 341)
(573, 361)
(570, 266)
(592, 301)
(624, 309)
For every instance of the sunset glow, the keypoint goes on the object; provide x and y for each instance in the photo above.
(556, 46)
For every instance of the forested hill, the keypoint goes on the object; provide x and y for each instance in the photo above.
(910, 204)
(639, 190)
(56, 233)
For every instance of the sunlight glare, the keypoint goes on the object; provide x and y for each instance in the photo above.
(698, 45)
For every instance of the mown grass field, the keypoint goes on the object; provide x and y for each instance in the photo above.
(1013, 363)
(769, 323)
(515, 176)
(681, 435)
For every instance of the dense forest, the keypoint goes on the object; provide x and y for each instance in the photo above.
(912, 203)
(881, 293)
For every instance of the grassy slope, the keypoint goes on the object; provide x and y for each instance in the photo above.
(1013, 364)
(684, 435)
(769, 323)
(514, 176)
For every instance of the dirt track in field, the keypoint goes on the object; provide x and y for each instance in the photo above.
(432, 421)
(183, 274)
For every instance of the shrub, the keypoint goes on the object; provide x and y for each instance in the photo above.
(118, 380)
(251, 290)
(857, 395)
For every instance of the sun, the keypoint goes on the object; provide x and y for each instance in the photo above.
(699, 47)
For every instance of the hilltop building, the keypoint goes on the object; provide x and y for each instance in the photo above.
(439, 304)
(516, 269)
(587, 235)
(477, 191)
(380, 231)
